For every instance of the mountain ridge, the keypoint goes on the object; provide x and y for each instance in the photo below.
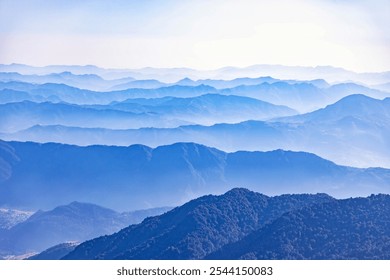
(194, 229)
(122, 176)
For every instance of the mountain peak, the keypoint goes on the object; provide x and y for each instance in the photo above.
(240, 192)
(186, 79)
(356, 97)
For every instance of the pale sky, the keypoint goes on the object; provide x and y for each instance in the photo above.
(201, 34)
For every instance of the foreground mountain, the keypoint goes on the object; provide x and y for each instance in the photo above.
(356, 228)
(138, 177)
(73, 222)
(195, 229)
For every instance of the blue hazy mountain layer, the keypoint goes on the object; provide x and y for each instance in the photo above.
(73, 222)
(355, 228)
(197, 228)
(123, 178)
(10, 96)
(81, 81)
(209, 104)
(352, 131)
(331, 74)
(357, 106)
(144, 84)
(23, 115)
(81, 96)
(222, 84)
(225, 84)
(383, 87)
(301, 96)
(95, 82)
(137, 113)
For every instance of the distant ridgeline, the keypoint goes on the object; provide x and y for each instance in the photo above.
(245, 225)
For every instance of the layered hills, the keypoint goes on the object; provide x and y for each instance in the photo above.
(129, 139)
(352, 131)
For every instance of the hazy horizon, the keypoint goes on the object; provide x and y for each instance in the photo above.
(193, 68)
(202, 35)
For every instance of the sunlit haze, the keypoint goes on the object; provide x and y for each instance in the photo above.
(197, 34)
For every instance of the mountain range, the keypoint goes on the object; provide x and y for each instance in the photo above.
(303, 96)
(329, 73)
(86, 81)
(138, 113)
(307, 139)
(352, 131)
(79, 96)
(23, 115)
(122, 178)
(206, 109)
